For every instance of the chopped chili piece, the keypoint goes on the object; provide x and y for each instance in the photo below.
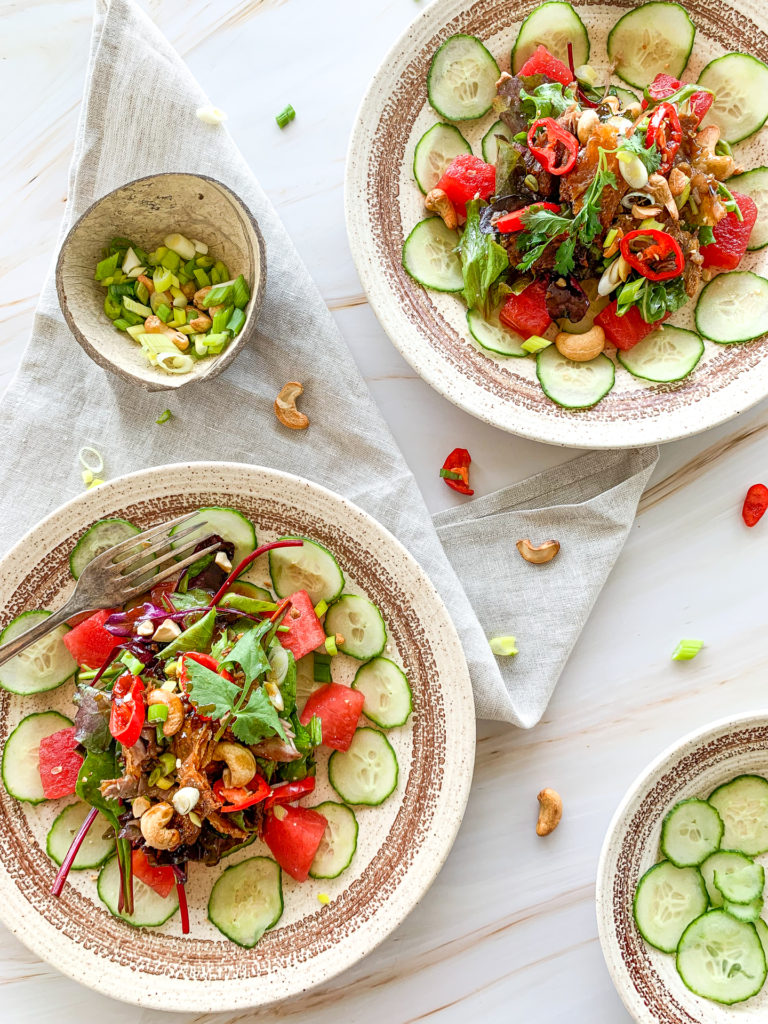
(455, 471)
(514, 221)
(239, 797)
(653, 253)
(665, 133)
(755, 504)
(557, 150)
(287, 792)
(127, 715)
(662, 86)
(700, 103)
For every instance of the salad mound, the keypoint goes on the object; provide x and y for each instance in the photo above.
(594, 214)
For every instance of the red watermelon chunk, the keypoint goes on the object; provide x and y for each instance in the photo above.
(60, 763)
(731, 236)
(305, 631)
(293, 835)
(625, 331)
(465, 177)
(527, 313)
(159, 877)
(89, 643)
(338, 708)
(542, 62)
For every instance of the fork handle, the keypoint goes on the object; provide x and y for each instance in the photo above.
(20, 643)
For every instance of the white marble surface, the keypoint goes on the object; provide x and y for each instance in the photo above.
(507, 933)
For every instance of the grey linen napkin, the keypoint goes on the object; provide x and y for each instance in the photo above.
(60, 400)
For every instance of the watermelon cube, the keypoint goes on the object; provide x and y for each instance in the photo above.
(89, 643)
(60, 763)
(338, 708)
(305, 630)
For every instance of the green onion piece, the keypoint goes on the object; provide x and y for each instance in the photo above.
(235, 322)
(530, 181)
(142, 293)
(731, 205)
(330, 645)
(223, 270)
(610, 238)
(164, 416)
(87, 476)
(535, 343)
(503, 646)
(283, 629)
(322, 659)
(241, 293)
(202, 278)
(220, 294)
(521, 137)
(158, 713)
(285, 116)
(107, 267)
(693, 204)
(448, 474)
(163, 312)
(90, 458)
(171, 261)
(723, 148)
(121, 325)
(154, 776)
(687, 649)
(134, 666)
(322, 673)
(162, 279)
(179, 317)
(167, 762)
(120, 242)
(221, 319)
(112, 308)
(321, 608)
(651, 222)
(204, 261)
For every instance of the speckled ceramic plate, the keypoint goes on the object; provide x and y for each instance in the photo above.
(645, 978)
(402, 844)
(383, 204)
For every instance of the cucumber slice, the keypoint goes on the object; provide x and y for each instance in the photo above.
(665, 355)
(733, 308)
(626, 96)
(247, 900)
(489, 144)
(762, 933)
(250, 590)
(494, 336)
(430, 256)
(742, 886)
(723, 861)
(21, 755)
(650, 39)
(367, 772)
(553, 25)
(667, 899)
(94, 849)
(574, 385)
(359, 622)
(749, 912)
(229, 524)
(310, 567)
(690, 833)
(434, 151)
(740, 85)
(388, 699)
(149, 909)
(743, 806)
(339, 842)
(43, 666)
(100, 537)
(722, 959)
(461, 83)
(754, 184)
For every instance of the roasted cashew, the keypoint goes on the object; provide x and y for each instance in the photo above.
(438, 202)
(154, 325)
(641, 212)
(588, 122)
(153, 828)
(678, 179)
(658, 187)
(200, 296)
(148, 283)
(538, 553)
(581, 347)
(172, 701)
(201, 323)
(241, 764)
(550, 811)
(285, 407)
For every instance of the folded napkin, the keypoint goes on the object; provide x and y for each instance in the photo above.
(60, 400)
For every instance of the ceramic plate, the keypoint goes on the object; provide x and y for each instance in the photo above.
(383, 204)
(645, 978)
(402, 844)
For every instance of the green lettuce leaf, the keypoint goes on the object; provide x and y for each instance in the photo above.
(482, 260)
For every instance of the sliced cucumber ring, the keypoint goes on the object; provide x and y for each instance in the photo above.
(740, 85)
(733, 308)
(100, 537)
(250, 590)
(359, 622)
(650, 39)
(247, 900)
(367, 772)
(743, 806)
(43, 666)
(227, 523)
(489, 144)
(493, 336)
(666, 901)
(94, 849)
(310, 567)
(626, 96)
(339, 842)
(749, 912)
(665, 355)
(742, 886)
(754, 184)
(462, 77)
(553, 25)
(430, 255)
(150, 910)
(574, 385)
(21, 755)
(388, 698)
(690, 833)
(434, 152)
(762, 933)
(723, 861)
(721, 958)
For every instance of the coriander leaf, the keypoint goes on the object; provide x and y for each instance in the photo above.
(482, 260)
(547, 100)
(309, 736)
(211, 693)
(634, 144)
(257, 719)
(564, 257)
(221, 646)
(249, 653)
(706, 235)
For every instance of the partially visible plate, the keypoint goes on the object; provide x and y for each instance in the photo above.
(383, 204)
(645, 978)
(402, 844)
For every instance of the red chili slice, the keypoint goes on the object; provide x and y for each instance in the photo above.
(127, 715)
(455, 471)
(755, 504)
(652, 253)
(239, 797)
(665, 133)
(558, 149)
(514, 221)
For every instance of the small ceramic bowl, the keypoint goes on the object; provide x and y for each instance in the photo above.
(146, 210)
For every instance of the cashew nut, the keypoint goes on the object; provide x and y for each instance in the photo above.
(154, 325)
(188, 290)
(172, 701)
(658, 186)
(641, 212)
(581, 347)
(241, 764)
(140, 806)
(587, 125)
(167, 630)
(200, 296)
(201, 323)
(153, 828)
(550, 811)
(678, 179)
(538, 553)
(285, 407)
(148, 283)
(613, 103)
(438, 202)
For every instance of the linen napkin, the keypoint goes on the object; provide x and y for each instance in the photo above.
(60, 400)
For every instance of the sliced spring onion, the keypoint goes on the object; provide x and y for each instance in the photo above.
(235, 322)
(107, 267)
(687, 649)
(175, 362)
(321, 608)
(157, 713)
(87, 476)
(221, 319)
(90, 458)
(164, 416)
(535, 343)
(163, 312)
(220, 294)
(202, 278)
(209, 114)
(241, 293)
(285, 116)
(503, 646)
(181, 245)
(448, 474)
(330, 645)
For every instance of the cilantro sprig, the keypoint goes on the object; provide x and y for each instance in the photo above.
(633, 145)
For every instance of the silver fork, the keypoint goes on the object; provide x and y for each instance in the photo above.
(106, 583)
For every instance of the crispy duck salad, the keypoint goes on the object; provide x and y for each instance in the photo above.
(200, 715)
(595, 213)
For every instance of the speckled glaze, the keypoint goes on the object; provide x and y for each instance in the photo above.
(645, 978)
(383, 204)
(146, 210)
(402, 844)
